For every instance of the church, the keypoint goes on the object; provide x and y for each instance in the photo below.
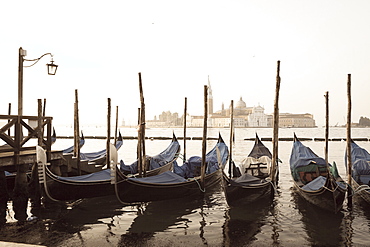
(243, 116)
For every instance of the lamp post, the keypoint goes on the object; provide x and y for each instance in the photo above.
(52, 69)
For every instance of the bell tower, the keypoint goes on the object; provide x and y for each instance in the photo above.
(210, 98)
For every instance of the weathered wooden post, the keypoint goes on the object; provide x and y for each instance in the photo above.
(204, 139)
(231, 137)
(185, 112)
(44, 109)
(33, 185)
(20, 193)
(40, 134)
(76, 150)
(4, 197)
(349, 140)
(9, 112)
(116, 127)
(139, 153)
(275, 138)
(142, 126)
(327, 131)
(108, 133)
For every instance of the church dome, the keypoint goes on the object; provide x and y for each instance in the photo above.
(241, 104)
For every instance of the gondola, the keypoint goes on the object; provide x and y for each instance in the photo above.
(184, 181)
(317, 182)
(99, 183)
(251, 179)
(360, 171)
(98, 158)
(71, 148)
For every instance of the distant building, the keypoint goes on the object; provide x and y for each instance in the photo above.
(166, 119)
(244, 116)
(296, 120)
(210, 99)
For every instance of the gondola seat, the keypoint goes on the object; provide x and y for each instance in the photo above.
(310, 172)
(259, 170)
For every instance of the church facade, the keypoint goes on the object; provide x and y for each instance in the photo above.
(244, 117)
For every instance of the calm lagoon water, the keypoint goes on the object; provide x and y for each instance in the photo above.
(207, 221)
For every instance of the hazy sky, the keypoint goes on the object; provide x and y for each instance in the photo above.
(100, 46)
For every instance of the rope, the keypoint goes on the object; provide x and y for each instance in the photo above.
(180, 155)
(351, 189)
(330, 189)
(45, 187)
(273, 186)
(362, 188)
(200, 187)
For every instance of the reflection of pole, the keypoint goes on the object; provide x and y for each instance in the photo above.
(20, 81)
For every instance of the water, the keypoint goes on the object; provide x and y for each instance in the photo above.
(288, 221)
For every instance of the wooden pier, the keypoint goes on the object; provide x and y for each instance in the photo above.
(16, 156)
(24, 128)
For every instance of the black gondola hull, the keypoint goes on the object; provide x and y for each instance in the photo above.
(331, 200)
(244, 195)
(69, 191)
(130, 191)
(363, 193)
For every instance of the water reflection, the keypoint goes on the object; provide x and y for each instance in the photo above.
(242, 224)
(363, 206)
(168, 216)
(323, 228)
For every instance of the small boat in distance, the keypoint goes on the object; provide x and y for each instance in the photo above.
(317, 182)
(250, 180)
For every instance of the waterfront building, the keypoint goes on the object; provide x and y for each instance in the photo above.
(244, 116)
(289, 120)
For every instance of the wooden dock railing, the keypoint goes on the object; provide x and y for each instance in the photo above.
(19, 130)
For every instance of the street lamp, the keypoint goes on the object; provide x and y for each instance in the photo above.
(52, 69)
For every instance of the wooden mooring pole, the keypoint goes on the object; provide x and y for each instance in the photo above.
(185, 112)
(139, 153)
(231, 137)
(76, 151)
(4, 197)
(204, 139)
(275, 138)
(20, 193)
(142, 126)
(9, 112)
(33, 185)
(327, 131)
(349, 140)
(108, 133)
(116, 127)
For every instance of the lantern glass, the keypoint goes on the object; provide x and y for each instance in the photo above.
(52, 68)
